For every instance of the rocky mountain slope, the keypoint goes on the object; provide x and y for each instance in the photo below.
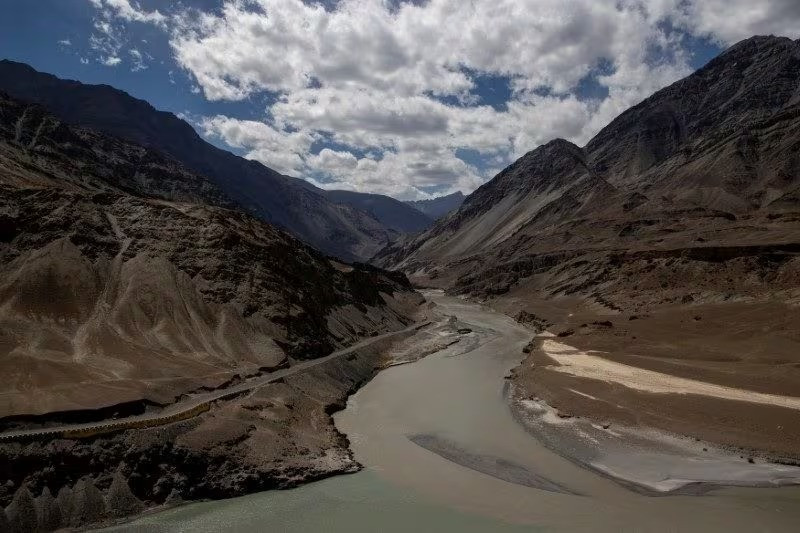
(125, 277)
(294, 204)
(436, 208)
(393, 214)
(692, 195)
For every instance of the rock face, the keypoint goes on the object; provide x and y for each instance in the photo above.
(294, 204)
(66, 502)
(442, 206)
(691, 196)
(393, 214)
(48, 511)
(21, 512)
(126, 277)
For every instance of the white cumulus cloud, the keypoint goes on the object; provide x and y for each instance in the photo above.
(392, 88)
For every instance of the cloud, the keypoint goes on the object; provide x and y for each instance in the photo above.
(415, 172)
(387, 93)
(109, 36)
(137, 59)
(130, 11)
(106, 42)
(65, 42)
(729, 21)
(276, 148)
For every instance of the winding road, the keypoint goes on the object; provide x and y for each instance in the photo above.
(194, 404)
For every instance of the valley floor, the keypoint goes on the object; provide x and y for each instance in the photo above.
(441, 450)
(655, 424)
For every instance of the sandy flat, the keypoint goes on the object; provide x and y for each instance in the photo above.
(593, 366)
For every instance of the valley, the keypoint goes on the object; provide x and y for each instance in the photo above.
(600, 337)
(665, 247)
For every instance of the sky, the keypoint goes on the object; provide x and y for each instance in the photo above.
(413, 99)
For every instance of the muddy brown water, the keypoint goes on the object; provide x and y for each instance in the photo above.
(442, 452)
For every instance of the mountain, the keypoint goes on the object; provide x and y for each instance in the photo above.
(125, 276)
(692, 195)
(291, 203)
(439, 207)
(392, 213)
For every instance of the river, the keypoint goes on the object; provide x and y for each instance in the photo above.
(442, 452)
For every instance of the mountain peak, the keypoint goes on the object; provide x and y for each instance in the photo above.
(440, 206)
(734, 92)
(758, 41)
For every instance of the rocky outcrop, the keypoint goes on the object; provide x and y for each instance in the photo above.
(120, 500)
(66, 502)
(537, 323)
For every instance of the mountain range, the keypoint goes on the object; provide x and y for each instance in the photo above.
(398, 216)
(677, 199)
(341, 224)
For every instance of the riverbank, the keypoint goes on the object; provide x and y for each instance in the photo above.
(441, 450)
(276, 435)
(652, 402)
(646, 460)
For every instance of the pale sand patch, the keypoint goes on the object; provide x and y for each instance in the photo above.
(579, 393)
(586, 365)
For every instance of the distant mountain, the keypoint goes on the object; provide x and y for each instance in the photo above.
(436, 208)
(294, 204)
(691, 195)
(392, 213)
(125, 276)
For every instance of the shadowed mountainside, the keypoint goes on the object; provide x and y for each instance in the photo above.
(291, 203)
(393, 214)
